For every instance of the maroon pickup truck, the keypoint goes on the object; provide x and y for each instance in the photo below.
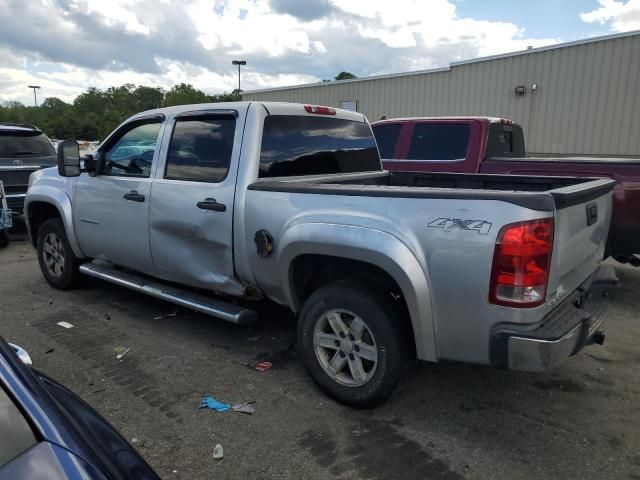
(495, 145)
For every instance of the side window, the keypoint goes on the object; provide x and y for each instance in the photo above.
(505, 141)
(387, 138)
(131, 155)
(439, 141)
(200, 149)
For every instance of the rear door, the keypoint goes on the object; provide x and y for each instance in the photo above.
(191, 214)
(111, 209)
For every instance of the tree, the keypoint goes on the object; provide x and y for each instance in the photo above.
(185, 94)
(95, 113)
(345, 76)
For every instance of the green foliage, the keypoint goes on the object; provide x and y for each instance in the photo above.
(95, 113)
(345, 76)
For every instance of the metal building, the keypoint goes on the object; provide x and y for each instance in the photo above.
(577, 98)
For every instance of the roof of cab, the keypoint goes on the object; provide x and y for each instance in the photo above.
(276, 108)
(23, 127)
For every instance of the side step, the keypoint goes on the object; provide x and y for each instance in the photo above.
(200, 303)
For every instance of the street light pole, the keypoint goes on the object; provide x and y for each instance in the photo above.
(239, 63)
(35, 97)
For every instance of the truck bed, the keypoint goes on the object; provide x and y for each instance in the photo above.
(536, 193)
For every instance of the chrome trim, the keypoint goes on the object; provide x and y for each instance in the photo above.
(23, 167)
(199, 303)
(536, 355)
(15, 195)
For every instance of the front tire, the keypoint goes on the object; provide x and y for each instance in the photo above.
(351, 343)
(58, 264)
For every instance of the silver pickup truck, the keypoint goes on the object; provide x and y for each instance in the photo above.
(203, 205)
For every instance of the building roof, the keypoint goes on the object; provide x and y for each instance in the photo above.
(453, 64)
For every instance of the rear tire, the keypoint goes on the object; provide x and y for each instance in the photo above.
(351, 342)
(58, 264)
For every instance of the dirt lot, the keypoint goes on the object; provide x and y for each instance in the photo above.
(447, 422)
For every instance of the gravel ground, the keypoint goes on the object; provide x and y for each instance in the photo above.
(447, 421)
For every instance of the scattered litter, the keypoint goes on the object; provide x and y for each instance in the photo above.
(242, 364)
(51, 350)
(166, 315)
(209, 402)
(263, 366)
(120, 355)
(98, 391)
(138, 441)
(244, 407)
(254, 339)
(218, 452)
(107, 316)
(65, 324)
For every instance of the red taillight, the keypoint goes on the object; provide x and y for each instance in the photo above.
(320, 110)
(521, 263)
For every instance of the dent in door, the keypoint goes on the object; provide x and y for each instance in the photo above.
(196, 252)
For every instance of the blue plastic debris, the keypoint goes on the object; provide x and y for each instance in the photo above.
(209, 402)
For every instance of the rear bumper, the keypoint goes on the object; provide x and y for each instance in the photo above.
(575, 323)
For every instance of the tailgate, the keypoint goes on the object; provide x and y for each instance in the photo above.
(582, 217)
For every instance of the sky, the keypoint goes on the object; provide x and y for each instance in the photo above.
(66, 46)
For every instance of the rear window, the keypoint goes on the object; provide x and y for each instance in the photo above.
(387, 138)
(15, 432)
(296, 145)
(505, 141)
(439, 141)
(14, 144)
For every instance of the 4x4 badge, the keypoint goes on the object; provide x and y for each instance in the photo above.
(481, 227)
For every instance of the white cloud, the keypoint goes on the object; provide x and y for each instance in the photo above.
(163, 42)
(621, 16)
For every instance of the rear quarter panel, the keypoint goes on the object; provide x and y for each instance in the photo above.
(454, 263)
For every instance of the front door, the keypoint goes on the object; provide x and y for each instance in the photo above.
(111, 209)
(191, 214)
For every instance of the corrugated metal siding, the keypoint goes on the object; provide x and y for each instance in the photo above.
(587, 100)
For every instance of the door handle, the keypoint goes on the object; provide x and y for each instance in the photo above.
(134, 195)
(211, 204)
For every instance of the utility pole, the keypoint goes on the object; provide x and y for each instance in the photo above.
(239, 63)
(35, 97)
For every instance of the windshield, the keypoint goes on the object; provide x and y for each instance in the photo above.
(24, 144)
(295, 145)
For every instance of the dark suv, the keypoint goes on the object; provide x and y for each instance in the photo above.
(23, 150)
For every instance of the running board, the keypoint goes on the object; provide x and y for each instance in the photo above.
(215, 308)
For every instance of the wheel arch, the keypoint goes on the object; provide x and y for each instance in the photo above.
(43, 203)
(348, 251)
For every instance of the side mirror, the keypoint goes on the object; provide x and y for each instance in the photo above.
(68, 158)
